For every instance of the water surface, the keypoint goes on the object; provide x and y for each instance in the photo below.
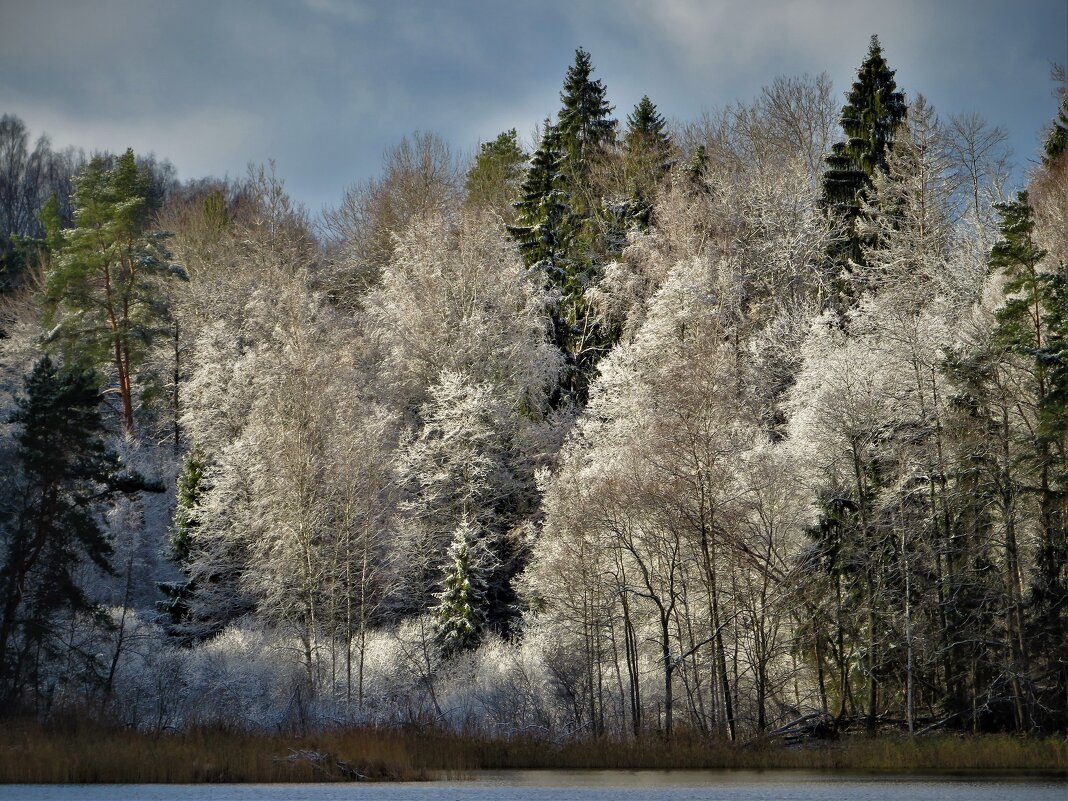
(591, 785)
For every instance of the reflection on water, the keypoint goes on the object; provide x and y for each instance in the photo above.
(588, 785)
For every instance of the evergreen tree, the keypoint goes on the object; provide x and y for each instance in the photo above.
(1057, 141)
(696, 170)
(873, 111)
(646, 146)
(545, 232)
(1033, 323)
(1049, 585)
(646, 160)
(586, 127)
(544, 224)
(462, 602)
(63, 476)
(102, 283)
(494, 178)
(189, 490)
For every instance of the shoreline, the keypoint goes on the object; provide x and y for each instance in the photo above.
(93, 754)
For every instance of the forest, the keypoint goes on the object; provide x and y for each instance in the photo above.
(751, 423)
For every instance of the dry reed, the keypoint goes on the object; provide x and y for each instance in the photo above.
(85, 752)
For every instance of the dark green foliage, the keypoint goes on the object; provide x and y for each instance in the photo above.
(562, 227)
(1033, 323)
(647, 160)
(647, 148)
(1057, 141)
(1031, 334)
(63, 476)
(544, 223)
(586, 127)
(1048, 603)
(873, 111)
(1017, 256)
(462, 602)
(696, 170)
(189, 490)
(545, 231)
(103, 285)
(494, 177)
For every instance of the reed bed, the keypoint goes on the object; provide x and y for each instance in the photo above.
(32, 753)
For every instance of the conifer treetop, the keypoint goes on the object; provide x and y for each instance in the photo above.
(584, 121)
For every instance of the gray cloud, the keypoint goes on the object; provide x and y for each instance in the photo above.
(324, 86)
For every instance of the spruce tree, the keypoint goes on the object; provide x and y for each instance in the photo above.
(1033, 323)
(696, 170)
(646, 146)
(545, 231)
(646, 160)
(1057, 141)
(462, 602)
(1048, 603)
(544, 224)
(190, 488)
(586, 127)
(873, 111)
(63, 476)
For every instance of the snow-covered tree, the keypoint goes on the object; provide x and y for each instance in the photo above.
(462, 600)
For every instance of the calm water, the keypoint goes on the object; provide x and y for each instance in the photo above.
(584, 786)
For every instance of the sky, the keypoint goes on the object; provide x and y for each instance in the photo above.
(324, 87)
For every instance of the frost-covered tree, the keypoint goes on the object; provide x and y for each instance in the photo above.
(462, 600)
(457, 468)
(456, 297)
(421, 178)
(651, 480)
(909, 218)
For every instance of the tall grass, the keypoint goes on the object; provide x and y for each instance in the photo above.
(82, 752)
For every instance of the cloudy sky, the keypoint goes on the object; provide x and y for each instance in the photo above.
(324, 86)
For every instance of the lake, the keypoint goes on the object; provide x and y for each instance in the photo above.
(593, 785)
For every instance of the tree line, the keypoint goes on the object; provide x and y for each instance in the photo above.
(748, 422)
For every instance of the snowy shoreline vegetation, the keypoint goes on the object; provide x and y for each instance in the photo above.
(751, 425)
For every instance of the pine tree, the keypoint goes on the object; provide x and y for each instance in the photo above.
(873, 111)
(1018, 256)
(102, 284)
(63, 476)
(462, 602)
